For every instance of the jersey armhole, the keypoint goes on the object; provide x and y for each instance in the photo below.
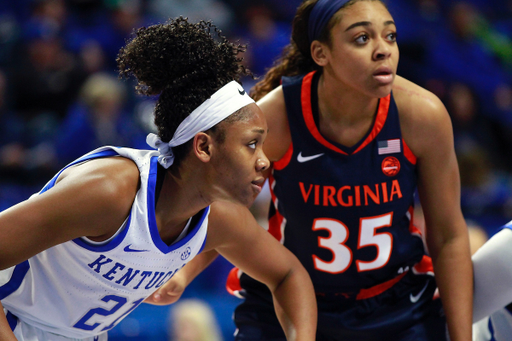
(285, 160)
(408, 153)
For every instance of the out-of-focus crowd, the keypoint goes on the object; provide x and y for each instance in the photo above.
(60, 95)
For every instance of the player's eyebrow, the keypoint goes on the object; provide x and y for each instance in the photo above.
(368, 23)
(259, 131)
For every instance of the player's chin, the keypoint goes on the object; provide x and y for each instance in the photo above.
(382, 91)
(245, 198)
(248, 198)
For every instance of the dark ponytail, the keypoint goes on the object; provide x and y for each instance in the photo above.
(296, 58)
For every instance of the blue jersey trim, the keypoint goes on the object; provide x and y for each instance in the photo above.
(508, 225)
(202, 246)
(105, 153)
(491, 329)
(153, 228)
(155, 235)
(17, 277)
(12, 320)
(79, 241)
(193, 232)
(108, 246)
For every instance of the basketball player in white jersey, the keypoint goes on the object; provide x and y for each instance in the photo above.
(492, 266)
(113, 226)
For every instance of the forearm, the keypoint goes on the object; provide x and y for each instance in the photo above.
(5, 331)
(172, 290)
(295, 306)
(454, 276)
(193, 268)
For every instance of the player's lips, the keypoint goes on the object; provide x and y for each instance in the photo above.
(384, 75)
(258, 184)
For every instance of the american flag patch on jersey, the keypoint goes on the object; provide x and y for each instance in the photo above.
(389, 146)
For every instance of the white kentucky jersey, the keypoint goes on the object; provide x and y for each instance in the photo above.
(497, 327)
(80, 289)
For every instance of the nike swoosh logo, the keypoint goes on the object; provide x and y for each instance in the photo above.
(415, 298)
(127, 248)
(302, 159)
(241, 92)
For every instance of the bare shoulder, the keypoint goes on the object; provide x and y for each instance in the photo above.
(413, 100)
(226, 215)
(106, 188)
(423, 116)
(114, 175)
(92, 199)
(228, 222)
(278, 139)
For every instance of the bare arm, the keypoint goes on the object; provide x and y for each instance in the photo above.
(278, 138)
(91, 200)
(172, 290)
(428, 132)
(235, 234)
(5, 331)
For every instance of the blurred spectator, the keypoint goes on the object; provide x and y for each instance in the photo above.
(496, 42)
(195, 10)
(90, 34)
(99, 117)
(46, 78)
(97, 30)
(11, 135)
(93, 57)
(418, 22)
(458, 55)
(193, 320)
(265, 37)
(503, 16)
(24, 157)
(472, 129)
(484, 189)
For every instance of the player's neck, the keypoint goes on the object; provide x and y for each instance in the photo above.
(181, 197)
(344, 104)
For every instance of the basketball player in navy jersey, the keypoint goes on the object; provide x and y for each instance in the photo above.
(351, 142)
(116, 224)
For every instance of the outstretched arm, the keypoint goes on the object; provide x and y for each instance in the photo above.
(235, 234)
(92, 199)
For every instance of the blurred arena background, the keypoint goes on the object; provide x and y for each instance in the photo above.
(60, 98)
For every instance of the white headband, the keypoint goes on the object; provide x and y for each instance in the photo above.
(227, 100)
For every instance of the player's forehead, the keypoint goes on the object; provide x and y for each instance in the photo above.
(249, 119)
(365, 12)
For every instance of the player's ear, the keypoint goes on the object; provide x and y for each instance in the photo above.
(203, 146)
(318, 53)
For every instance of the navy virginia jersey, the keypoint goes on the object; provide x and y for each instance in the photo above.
(346, 213)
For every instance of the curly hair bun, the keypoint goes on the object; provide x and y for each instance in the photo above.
(184, 63)
(177, 55)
